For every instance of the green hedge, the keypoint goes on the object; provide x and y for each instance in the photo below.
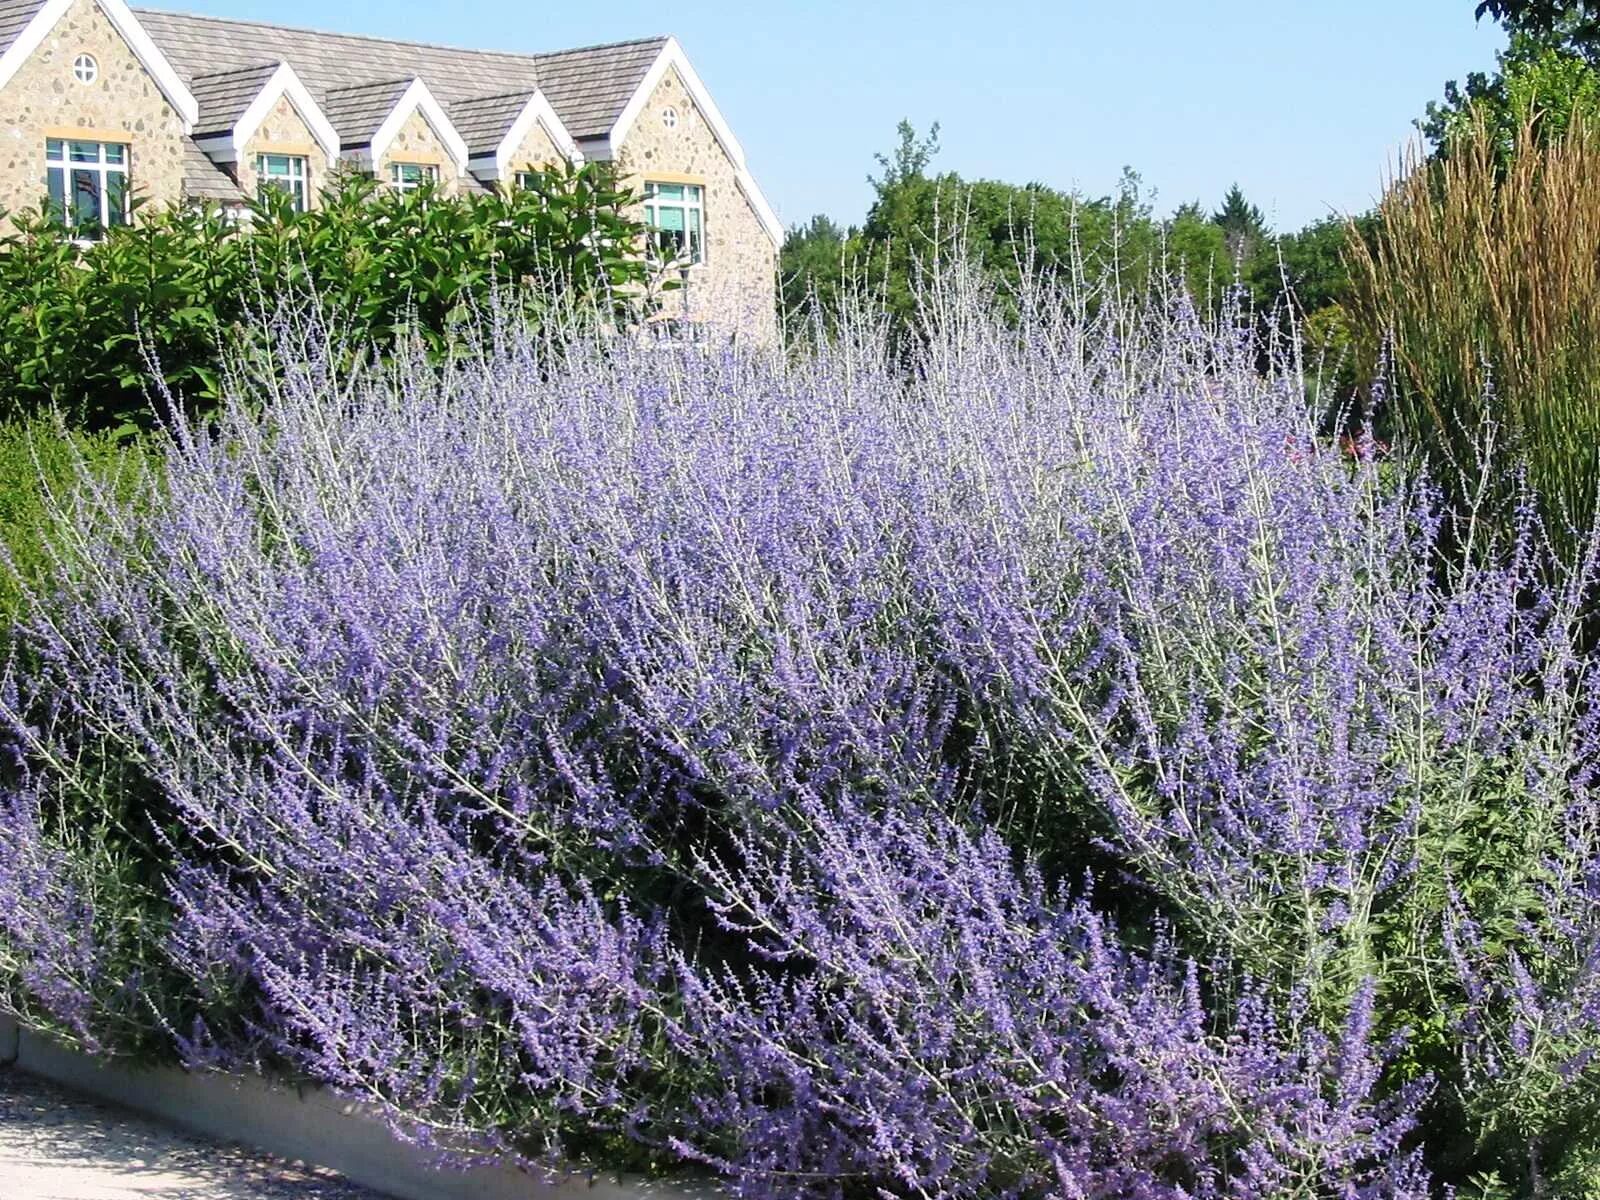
(39, 458)
(78, 323)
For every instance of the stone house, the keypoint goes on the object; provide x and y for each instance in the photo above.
(100, 103)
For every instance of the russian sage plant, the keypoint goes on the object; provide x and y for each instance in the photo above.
(1046, 768)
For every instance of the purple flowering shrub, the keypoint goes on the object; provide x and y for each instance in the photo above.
(1049, 768)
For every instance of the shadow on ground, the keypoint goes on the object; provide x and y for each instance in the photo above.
(56, 1145)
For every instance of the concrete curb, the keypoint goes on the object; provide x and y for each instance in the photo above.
(311, 1126)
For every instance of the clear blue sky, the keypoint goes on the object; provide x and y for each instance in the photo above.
(1301, 101)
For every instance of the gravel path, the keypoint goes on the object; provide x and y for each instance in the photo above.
(55, 1145)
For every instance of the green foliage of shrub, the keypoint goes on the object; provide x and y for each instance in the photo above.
(79, 324)
(41, 459)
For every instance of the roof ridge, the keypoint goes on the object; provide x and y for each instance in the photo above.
(375, 83)
(261, 66)
(393, 41)
(638, 41)
(533, 91)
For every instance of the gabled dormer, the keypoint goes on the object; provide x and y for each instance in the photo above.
(265, 127)
(399, 132)
(512, 133)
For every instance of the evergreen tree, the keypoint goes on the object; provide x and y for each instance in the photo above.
(1241, 221)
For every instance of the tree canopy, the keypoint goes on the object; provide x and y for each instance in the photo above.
(1551, 22)
(1015, 230)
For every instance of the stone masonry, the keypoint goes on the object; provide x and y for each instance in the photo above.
(44, 100)
(284, 132)
(418, 143)
(536, 150)
(736, 286)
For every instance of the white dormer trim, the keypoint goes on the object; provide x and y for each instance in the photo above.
(536, 111)
(230, 147)
(285, 82)
(416, 97)
(672, 56)
(121, 17)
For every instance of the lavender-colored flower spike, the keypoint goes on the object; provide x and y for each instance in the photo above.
(1053, 769)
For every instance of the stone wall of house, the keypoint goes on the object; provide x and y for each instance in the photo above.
(736, 287)
(537, 149)
(418, 143)
(124, 103)
(284, 132)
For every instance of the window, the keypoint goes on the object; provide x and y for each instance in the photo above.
(84, 69)
(527, 179)
(669, 117)
(408, 177)
(675, 213)
(88, 184)
(286, 172)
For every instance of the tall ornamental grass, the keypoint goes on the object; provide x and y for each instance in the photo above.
(1482, 278)
(1050, 769)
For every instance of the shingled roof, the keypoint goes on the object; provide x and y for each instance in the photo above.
(483, 122)
(357, 111)
(225, 95)
(203, 179)
(14, 18)
(588, 87)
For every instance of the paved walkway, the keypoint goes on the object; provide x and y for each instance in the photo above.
(55, 1145)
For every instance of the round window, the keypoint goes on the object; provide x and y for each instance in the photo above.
(85, 69)
(669, 117)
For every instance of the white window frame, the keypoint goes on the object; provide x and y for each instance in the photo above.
(426, 173)
(295, 178)
(692, 204)
(85, 69)
(111, 161)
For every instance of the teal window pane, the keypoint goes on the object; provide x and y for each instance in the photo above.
(83, 152)
(55, 148)
(694, 192)
(670, 220)
(56, 181)
(410, 175)
(86, 197)
(115, 153)
(116, 198)
(669, 191)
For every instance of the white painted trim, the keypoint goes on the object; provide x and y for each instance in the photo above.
(285, 82)
(758, 201)
(671, 56)
(415, 97)
(126, 24)
(536, 111)
(306, 1124)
